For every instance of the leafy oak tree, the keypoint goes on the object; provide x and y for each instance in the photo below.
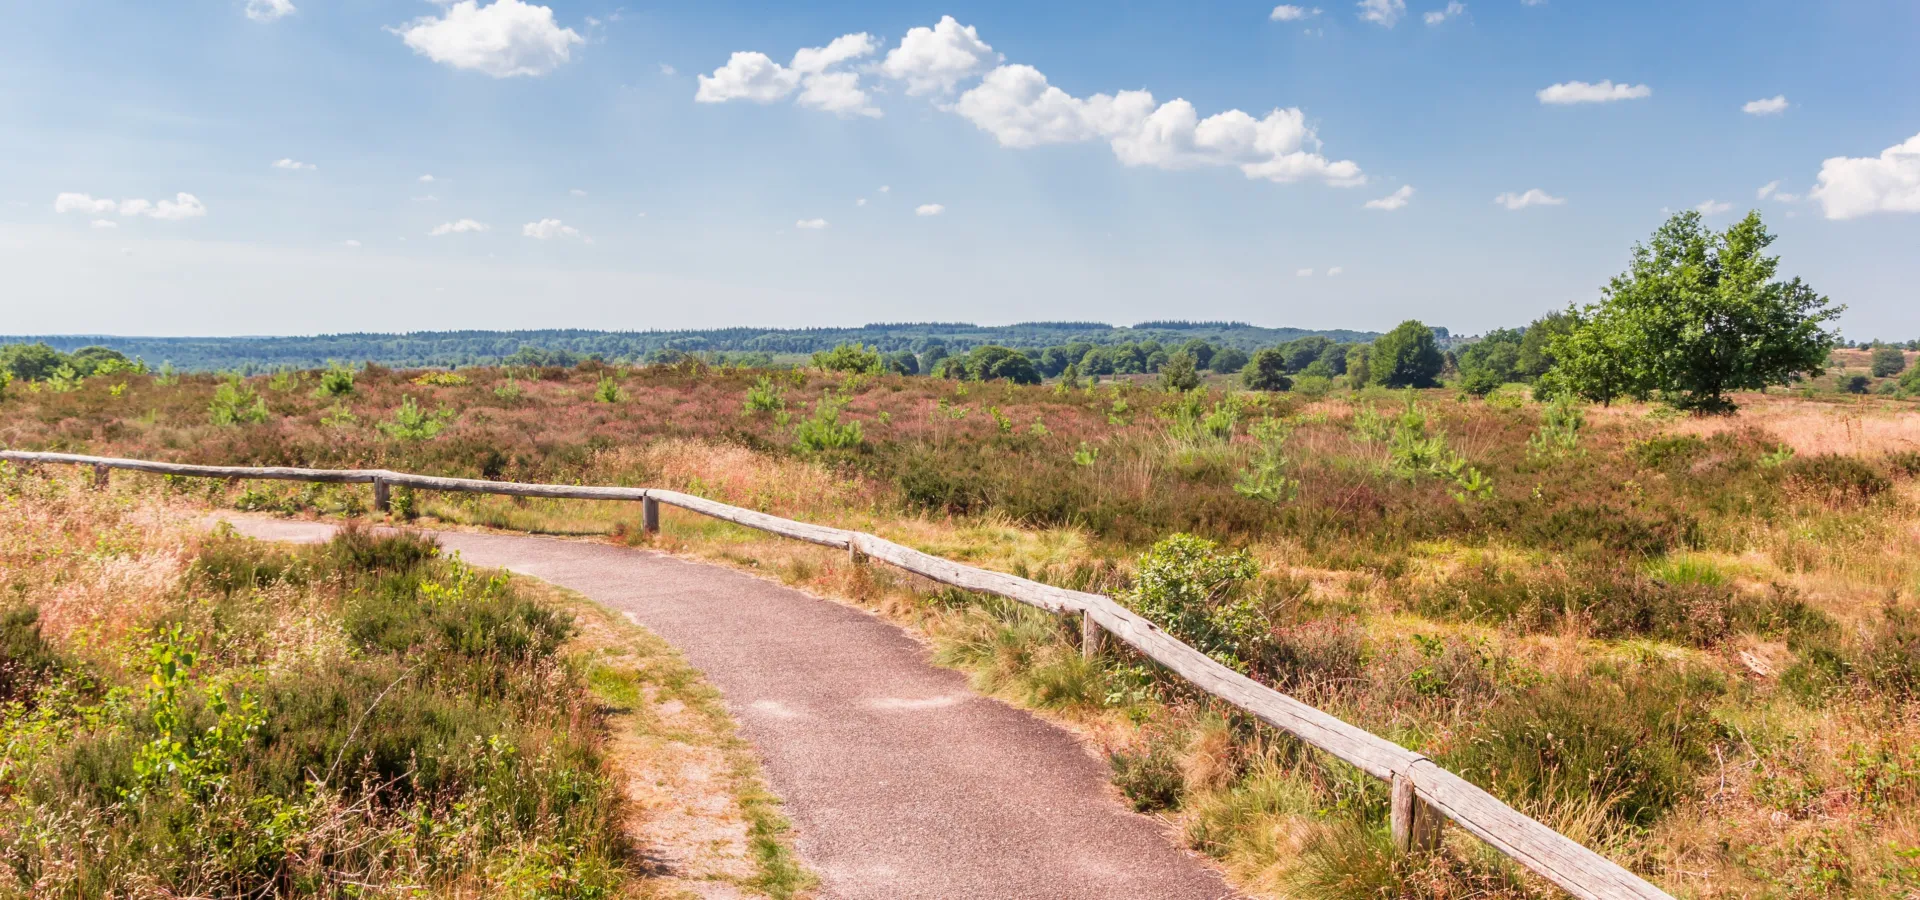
(1407, 356)
(1697, 315)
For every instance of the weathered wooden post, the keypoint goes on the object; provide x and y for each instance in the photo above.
(381, 501)
(102, 476)
(1416, 826)
(853, 552)
(650, 515)
(1092, 639)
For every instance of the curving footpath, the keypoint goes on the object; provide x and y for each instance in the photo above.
(900, 781)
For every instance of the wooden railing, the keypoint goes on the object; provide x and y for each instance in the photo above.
(1423, 794)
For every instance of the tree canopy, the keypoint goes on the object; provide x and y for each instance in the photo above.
(1696, 315)
(1407, 356)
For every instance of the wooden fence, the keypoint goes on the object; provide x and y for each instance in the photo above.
(1424, 795)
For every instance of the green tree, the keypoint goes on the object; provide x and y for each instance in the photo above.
(992, 362)
(1201, 351)
(903, 363)
(1535, 356)
(1267, 371)
(1888, 361)
(1407, 356)
(1490, 362)
(1302, 352)
(1180, 373)
(31, 362)
(1696, 315)
(1228, 360)
(1360, 365)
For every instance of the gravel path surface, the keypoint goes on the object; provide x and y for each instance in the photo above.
(900, 781)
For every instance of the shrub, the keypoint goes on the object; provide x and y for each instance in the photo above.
(1313, 387)
(410, 423)
(25, 655)
(1266, 371)
(1855, 384)
(608, 390)
(1631, 741)
(1888, 361)
(824, 431)
(1187, 585)
(1180, 373)
(336, 381)
(440, 379)
(1407, 356)
(855, 358)
(1228, 360)
(234, 403)
(1890, 659)
(1910, 381)
(1834, 479)
(1149, 776)
(991, 362)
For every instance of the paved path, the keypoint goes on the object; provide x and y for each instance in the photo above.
(901, 782)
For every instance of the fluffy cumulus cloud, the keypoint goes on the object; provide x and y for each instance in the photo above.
(462, 226)
(502, 39)
(1392, 201)
(1020, 109)
(1850, 187)
(1533, 197)
(269, 10)
(1581, 92)
(935, 59)
(814, 74)
(1713, 207)
(1290, 13)
(1438, 16)
(182, 206)
(292, 165)
(810, 224)
(929, 209)
(1772, 106)
(1385, 13)
(548, 229)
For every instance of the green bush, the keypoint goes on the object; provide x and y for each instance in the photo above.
(235, 403)
(1835, 479)
(336, 381)
(1888, 361)
(411, 423)
(1189, 586)
(1149, 776)
(824, 431)
(1855, 384)
(855, 358)
(1266, 371)
(25, 655)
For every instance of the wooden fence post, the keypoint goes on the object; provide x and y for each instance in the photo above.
(854, 554)
(381, 501)
(102, 476)
(1416, 826)
(650, 515)
(1092, 639)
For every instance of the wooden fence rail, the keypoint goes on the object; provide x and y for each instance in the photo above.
(1424, 795)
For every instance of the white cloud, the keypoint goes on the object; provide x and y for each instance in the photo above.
(269, 10)
(1533, 197)
(1533, 2)
(929, 209)
(462, 226)
(577, 192)
(1767, 189)
(860, 202)
(1772, 106)
(1392, 201)
(1581, 92)
(756, 78)
(1304, 273)
(426, 179)
(350, 243)
(182, 206)
(935, 59)
(1454, 8)
(103, 224)
(1772, 190)
(1382, 12)
(1334, 271)
(293, 165)
(1288, 13)
(885, 188)
(547, 229)
(1712, 207)
(503, 39)
(1890, 182)
(1020, 109)
(810, 224)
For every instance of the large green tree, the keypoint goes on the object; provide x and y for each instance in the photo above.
(1267, 371)
(1535, 356)
(1407, 356)
(1697, 314)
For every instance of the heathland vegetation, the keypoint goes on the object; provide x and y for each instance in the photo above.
(1681, 626)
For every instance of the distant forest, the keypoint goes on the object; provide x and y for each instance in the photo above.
(747, 345)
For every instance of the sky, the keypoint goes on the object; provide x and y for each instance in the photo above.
(223, 167)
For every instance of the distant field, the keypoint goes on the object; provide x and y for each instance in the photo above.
(1691, 643)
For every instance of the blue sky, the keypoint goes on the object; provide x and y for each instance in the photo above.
(631, 171)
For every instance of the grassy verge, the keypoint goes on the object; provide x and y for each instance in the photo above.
(203, 715)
